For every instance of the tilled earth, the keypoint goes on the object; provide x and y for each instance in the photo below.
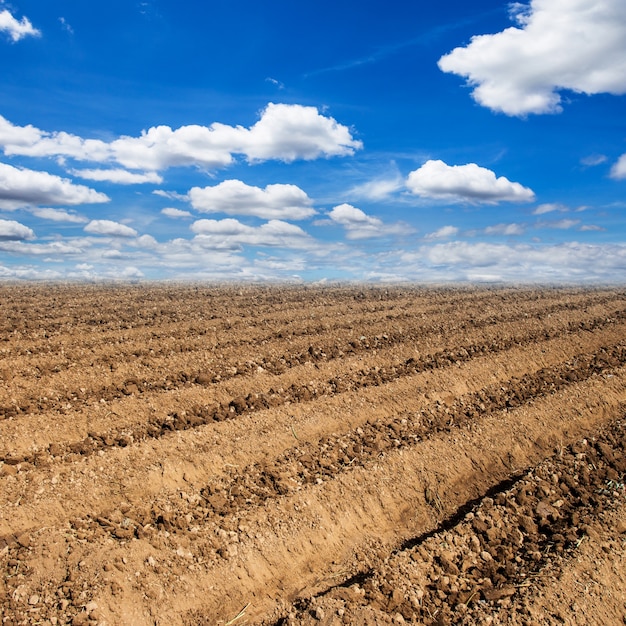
(299, 455)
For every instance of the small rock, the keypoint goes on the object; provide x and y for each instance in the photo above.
(90, 607)
(34, 599)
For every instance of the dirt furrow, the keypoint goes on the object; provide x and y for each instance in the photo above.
(208, 454)
(47, 371)
(402, 492)
(484, 558)
(266, 455)
(171, 338)
(176, 371)
(201, 414)
(320, 461)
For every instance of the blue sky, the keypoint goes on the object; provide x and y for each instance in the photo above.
(315, 141)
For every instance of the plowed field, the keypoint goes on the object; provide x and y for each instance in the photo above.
(297, 455)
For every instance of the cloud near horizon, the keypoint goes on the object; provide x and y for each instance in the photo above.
(359, 225)
(21, 188)
(10, 230)
(574, 45)
(465, 183)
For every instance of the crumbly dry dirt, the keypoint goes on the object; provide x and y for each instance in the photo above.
(189, 455)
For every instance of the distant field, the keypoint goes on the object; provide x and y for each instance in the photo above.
(296, 455)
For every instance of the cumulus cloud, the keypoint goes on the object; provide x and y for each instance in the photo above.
(230, 233)
(21, 187)
(119, 176)
(444, 232)
(558, 44)
(59, 215)
(147, 242)
(31, 141)
(465, 183)
(11, 230)
(234, 197)
(359, 225)
(17, 29)
(291, 131)
(618, 171)
(109, 228)
(175, 213)
(285, 132)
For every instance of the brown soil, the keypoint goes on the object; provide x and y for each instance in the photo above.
(276, 456)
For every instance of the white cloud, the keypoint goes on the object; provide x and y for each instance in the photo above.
(17, 29)
(119, 176)
(359, 225)
(618, 171)
(549, 207)
(465, 183)
(109, 228)
(21, 187)
(146, 242)
(521, 263)
(18, 136)
(160, 147)
(594, 159)
(31, 141)
(506, 230)
(558, 224)
(591, 228)
(59, 215)
(578, 45)
(66, 26)
(11, 230)
(171, 195)
(54, 249)
(443, 233)
(378, 189)
(230, 233)
(275, 82)
(29, 273)
(234, 197)
(175, 213)
(284, 132)
(292, 131)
